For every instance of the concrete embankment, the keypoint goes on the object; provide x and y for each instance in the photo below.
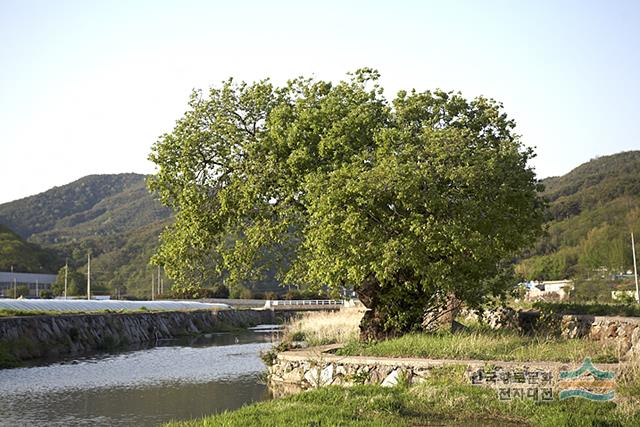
(31, 337)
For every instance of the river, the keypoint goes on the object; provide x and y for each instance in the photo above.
(175, 380)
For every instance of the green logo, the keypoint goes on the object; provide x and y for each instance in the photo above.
(587, 382)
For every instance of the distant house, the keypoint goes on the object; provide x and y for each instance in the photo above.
(548, 289)
(34, 281)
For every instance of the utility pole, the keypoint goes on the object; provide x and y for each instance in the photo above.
(37, 288)
(66, 270)
(152, 288)
(635, 267)
(158, 281)
(89, 276)
(15, 292)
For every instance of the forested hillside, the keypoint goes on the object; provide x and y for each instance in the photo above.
(112, 216)
(96, 205)
(24, 256)
(592, 211)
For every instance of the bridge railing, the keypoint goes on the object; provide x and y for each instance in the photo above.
(302, 302)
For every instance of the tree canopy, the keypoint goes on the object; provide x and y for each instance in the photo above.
(333, 185)
(24, 256)
(76, 283)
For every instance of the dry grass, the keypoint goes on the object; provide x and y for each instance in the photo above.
(319, 328)
(628, 388)
(479, 342)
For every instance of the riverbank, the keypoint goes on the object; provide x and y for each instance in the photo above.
(444, 398)
(47, 336)
(387, 387)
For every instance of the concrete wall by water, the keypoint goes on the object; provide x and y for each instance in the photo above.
(29, 337)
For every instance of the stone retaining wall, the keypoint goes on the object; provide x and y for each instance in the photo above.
(29, 337)
(624, 332)
(303, 369)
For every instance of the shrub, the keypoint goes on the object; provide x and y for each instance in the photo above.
(46, 294)
(594, 309)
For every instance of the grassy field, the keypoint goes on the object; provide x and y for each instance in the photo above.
(444, 399)
(478, 342)
(486, 345)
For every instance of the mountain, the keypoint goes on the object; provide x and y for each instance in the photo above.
(93, 205)
(112, 216)
(24, 256)
(592, 211)
(593, 184)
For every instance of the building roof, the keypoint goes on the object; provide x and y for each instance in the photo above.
(7, 277)
(557, 282)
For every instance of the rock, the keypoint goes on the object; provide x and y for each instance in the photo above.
(470, 315)
(293, 376)
(392, 379)
(317, 377)
(502, 318)
(326, 376)
(375, 376)
(422, 373)
(312, 377)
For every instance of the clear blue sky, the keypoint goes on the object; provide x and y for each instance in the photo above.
(87, 87)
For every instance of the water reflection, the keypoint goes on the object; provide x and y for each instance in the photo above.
(176, 380)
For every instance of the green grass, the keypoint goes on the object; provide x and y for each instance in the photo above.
(16, 313)
(485, 344)
(444, 399)
(593, 309)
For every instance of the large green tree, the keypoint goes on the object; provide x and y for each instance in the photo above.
(410, 202)
(76, 283)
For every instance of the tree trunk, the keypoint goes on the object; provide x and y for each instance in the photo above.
(440, 313)
(372, 323)
(393, 310)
